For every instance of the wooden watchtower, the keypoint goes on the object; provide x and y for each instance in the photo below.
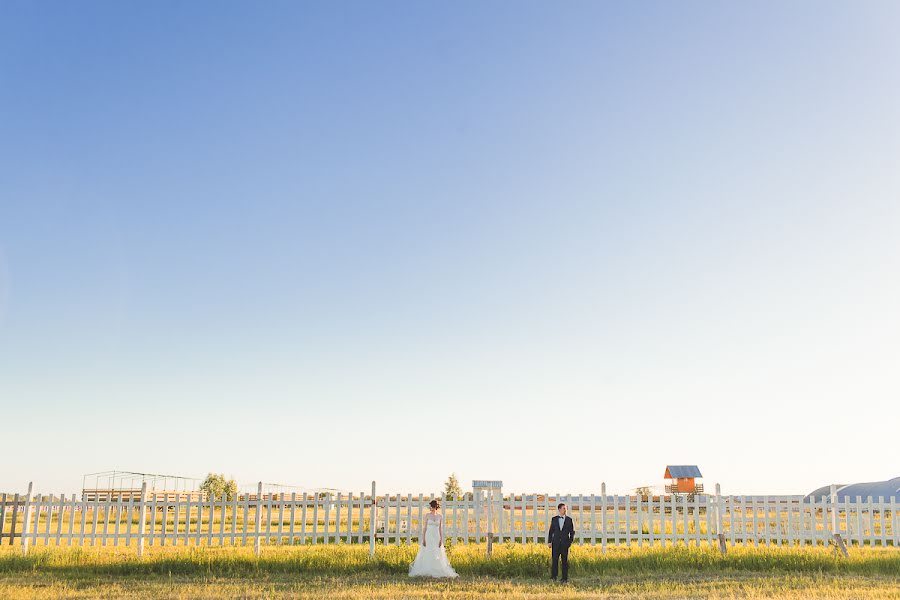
(683, 479)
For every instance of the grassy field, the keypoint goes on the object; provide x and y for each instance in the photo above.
(514, 572)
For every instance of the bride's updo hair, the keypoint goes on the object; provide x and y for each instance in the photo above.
(434, 504)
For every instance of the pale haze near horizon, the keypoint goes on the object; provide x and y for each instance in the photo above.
(328, 244)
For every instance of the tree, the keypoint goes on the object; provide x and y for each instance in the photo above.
(215, 485)
(643, 491)
(452, 489)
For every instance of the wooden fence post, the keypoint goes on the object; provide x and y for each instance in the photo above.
(603, 518)
(489, 502)
(143, 518)
(12, 524)
(3, 516)
(373, 514)
(838, 540)
(26, 520)
(720, 533)
(258, 517)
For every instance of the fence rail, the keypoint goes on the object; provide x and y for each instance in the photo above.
(364, 517)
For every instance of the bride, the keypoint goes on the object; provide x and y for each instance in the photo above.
(431, 561)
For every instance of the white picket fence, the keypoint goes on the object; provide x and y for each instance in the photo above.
(336, 518)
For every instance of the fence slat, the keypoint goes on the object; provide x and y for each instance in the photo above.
(3, 517)
(280, 518)
(738, 520)
(117, 528)
(293, 509)
(12, 525)
(870, 510)
(26, 516)
(895, 534)
(303, 519)
(373, 518)
(211, 516)
(60, 518)
(234, 514)
(408, 519)
(153, 511)
(94, 516)
(362, 517)
(523, 518)
(187, 520)
(198, 531)
(848, 522)
(603, 517)
(245, 519)
(815, 523)
(129, 519)
(176, 517)
(397, 523)
(782, 507)
(628, 538)
(141, 521)
(49, 520)
(476, 514)
(107, 508)
(83, 522)
(362, 508)
(35, 520)
(348, 527)
(328, 505)
(268, 503)
(673, 518)
(387, 518)
(420, 509)
(697, 527)
(640, 520)
(223, 519)
(792, 531)
(337, 518)
(315, 523)
(70, 536)
(257, 516)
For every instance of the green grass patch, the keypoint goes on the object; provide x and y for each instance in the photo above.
(509, 561)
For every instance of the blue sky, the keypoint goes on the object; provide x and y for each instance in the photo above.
(288, 241)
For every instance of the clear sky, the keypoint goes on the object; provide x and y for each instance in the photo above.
(549, 243)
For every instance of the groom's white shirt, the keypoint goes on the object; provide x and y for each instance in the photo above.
(562, 521)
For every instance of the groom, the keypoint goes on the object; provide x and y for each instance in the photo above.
(560, 537)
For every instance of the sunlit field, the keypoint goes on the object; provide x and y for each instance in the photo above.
(518, 571)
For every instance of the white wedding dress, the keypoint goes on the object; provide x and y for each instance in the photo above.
(431, 561)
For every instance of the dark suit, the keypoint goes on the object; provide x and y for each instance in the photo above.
(560, 540)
